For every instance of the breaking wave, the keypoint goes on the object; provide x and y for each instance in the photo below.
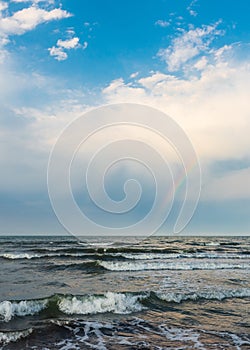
(162, 265)
(118, 303)
(203, 255)
(110, 302)
(10, 309)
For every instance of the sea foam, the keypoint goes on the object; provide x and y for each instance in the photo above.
(118, 303)
(10, 309)
(7, 337)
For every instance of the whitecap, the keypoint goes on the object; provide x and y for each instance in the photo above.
(118, 303)
(9, 309)
(161, 265)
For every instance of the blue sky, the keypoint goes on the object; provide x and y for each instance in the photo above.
(190, 59)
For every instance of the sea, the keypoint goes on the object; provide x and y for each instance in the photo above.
(124, 293)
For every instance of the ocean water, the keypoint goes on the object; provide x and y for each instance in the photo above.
(106, 293)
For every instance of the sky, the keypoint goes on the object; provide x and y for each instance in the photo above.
(188, 59)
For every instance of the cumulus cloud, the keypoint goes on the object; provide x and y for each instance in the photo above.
(25, 20)
(28, 19)
(58, 51)
(68, 44)
(189, 45)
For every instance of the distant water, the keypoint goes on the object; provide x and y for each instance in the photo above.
(160, 293)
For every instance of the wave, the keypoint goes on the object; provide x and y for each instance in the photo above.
(110, 302)
(10, 309)
(14, 256)
(86, 266)
(206, 294)
(17, 256)
(153, 256)
(100, 244)
(117, 303)
(121, 256)
(159, 265)
(102, 266)
(7, 337)
(212, 243)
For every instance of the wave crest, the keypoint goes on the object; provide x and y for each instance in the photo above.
(10, 309)
(118, 303)
(160, 265)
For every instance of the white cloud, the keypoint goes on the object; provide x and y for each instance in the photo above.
(201, 64)
(219, 53)
(188, 46)
(68, 44)
(28, 19)
(58, 51)
(114, 85)
(151, 81)
(134, 75)
(162, 23)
